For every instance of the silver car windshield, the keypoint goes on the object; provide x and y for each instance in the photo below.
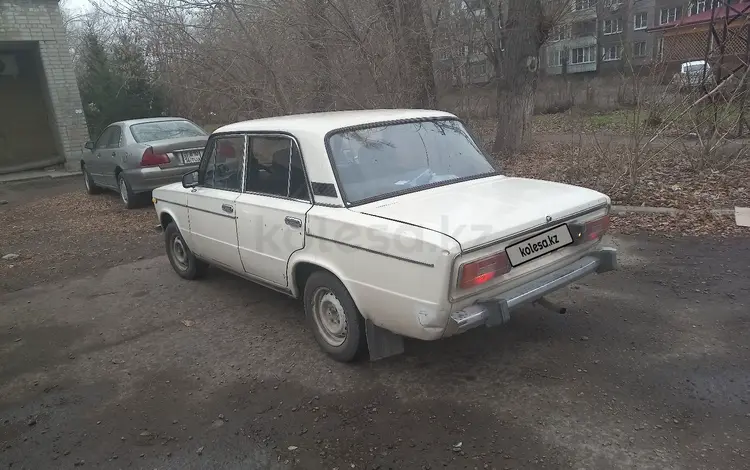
(162, 130)
(378, 162)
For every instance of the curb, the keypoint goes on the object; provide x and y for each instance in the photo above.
(623, 210)
(20, 178)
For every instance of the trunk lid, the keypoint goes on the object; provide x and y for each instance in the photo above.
(182, 150)
(482, 211)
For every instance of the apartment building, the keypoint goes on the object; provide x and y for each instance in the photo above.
(572, 46)
(606, 36)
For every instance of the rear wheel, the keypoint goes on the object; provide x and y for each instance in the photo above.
(129, 198)
(336, 322)
(182, 259)
(88, 181)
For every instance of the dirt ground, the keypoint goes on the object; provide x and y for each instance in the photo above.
(112, 361)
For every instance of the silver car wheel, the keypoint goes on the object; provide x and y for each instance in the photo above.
(86, 180)
(180, 254)
(329, 317)
(123, 190)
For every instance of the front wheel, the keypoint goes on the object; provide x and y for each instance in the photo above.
(336, 322)
(182, 259)
(88, 181)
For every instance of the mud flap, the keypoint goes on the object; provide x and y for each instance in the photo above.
(381, 343)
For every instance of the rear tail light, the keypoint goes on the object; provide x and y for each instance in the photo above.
(595, 229)
(482, 271)
(150, 158)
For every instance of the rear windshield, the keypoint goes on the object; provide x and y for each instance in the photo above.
(162, 130)
(378, 162)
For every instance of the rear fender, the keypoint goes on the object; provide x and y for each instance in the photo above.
(303, 257)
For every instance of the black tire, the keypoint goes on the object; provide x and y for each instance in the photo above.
(355, 343)
(91, 187)
(127, 196)
(186, 265)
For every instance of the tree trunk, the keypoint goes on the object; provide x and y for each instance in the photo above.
(419, 53)
(524, 32)
(415, 65)
(322, 98)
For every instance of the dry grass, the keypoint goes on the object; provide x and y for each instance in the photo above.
(665, 182)
(72, 233)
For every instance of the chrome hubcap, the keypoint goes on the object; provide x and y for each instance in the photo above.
(179, 253)
(123, 191)
(86, 179)
(329, 316)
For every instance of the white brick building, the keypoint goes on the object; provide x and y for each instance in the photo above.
(41, 117)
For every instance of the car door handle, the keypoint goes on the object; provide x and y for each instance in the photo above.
(293, 222)
(114, 154)
(227, 208)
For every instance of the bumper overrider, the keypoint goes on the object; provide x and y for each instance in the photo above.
(497, 311)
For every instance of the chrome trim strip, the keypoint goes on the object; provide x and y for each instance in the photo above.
(408, 260)
(248, 277)
(196, 209)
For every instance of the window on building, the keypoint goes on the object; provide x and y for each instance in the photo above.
(584, 28)
(611, 53)
(668, 15)
(640, 49)
(640, 21)
(660, 49)
(699, 6)
(583, 55)
(560, 32)
(555, 57)
(612, 26)
(583, 4)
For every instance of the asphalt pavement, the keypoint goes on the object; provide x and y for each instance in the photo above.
(129, 366)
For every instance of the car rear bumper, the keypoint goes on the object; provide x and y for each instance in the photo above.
(497, 310)
(150, 178)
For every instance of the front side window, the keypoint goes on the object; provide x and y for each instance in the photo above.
(375, 162)
(274, 167)
(114, 138)
(162, 130)
(103, 140)
(221, 167)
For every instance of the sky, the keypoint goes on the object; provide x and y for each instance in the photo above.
(75, 6)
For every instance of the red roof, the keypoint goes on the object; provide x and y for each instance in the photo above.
(742, 7)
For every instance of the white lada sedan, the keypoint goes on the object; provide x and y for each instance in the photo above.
(386, 223)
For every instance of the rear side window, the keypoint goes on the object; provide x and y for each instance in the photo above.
(275, 168)
(163, 130)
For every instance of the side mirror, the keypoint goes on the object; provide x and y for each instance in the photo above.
(190, 180)
(89, 145)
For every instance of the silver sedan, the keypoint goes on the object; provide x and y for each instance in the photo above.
(134, 157)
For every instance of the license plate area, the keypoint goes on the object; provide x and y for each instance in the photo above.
(190, 157)
(539, 245)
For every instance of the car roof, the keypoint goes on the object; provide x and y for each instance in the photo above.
(325, 122)
(130, 122)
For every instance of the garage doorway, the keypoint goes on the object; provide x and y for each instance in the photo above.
(28, 137)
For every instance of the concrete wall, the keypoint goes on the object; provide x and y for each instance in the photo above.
(23, 22)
